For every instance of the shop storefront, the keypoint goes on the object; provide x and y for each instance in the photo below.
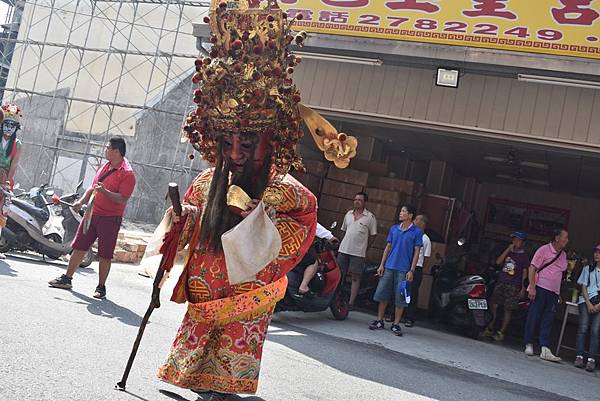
(485, 114)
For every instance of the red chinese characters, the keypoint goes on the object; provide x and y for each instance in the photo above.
(490, 8)
(575, 12)
(346, 3)
(338, 17)
(336, 3)
(307, 14)
(414, 5)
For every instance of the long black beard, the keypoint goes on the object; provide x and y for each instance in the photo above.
(218, 218)
(11, 143)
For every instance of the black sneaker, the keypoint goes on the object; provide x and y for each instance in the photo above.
(396, 330)
(63, 282)
(376, 325)
(100, 292)
(409, 323)
(214, 396)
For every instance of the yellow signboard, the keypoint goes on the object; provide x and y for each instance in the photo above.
(560, 27)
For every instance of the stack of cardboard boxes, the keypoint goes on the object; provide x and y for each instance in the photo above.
(312, 178)
(335, 189)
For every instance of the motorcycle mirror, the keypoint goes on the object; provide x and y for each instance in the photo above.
(55, 199)
(461, 241)
(333, 225)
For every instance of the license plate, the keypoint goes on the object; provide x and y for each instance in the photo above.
(478, 304)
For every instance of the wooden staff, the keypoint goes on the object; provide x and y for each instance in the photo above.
(155, 300)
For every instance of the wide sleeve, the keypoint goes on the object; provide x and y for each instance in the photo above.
(195, 196)
(296, 220)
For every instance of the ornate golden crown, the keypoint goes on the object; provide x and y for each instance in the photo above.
(11, 112)
(245, 84)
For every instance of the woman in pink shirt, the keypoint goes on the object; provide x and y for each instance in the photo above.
(545, 277)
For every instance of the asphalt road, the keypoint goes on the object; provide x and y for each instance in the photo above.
(66, 345)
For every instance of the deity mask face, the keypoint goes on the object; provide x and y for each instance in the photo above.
(9, 127)
(241, 148)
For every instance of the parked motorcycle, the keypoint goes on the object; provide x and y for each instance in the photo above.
(36, 228)
(460, 301)
(327, 286)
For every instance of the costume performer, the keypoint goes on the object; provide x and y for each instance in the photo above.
(248, 221)
(10, 119)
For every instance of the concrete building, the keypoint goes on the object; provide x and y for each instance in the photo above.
(513, 144)
(86, 70)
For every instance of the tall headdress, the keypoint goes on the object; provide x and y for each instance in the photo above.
(246, 86)
(11, 112)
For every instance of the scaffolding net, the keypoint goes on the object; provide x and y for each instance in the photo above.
(84, 71)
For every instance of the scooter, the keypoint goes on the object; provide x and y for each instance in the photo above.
(327, 286)
(36, 228)
(460, 301)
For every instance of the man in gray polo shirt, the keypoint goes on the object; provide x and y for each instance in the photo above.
(360, 228)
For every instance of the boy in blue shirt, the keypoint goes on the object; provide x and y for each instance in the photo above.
(398, 264)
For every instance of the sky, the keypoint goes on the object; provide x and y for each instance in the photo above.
(3, 11)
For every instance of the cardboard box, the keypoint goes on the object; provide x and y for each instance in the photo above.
(327, 217)
(318, 168)
(333, 203)
(380, 240)
(391, 198)
(373, 168)
(438, 250)
(425, 292)
(383, 212)
(383, 226)
(350, 176)
(396, 184)
(340, 189)
(312, 182)
(374, 255)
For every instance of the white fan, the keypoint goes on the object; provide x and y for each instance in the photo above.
(523, 180)
(511, 159)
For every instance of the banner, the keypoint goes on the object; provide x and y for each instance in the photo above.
(559, 27)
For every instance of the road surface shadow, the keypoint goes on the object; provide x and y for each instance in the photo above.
(134, 395)
(318, 346)
(40, 260)
(233, 397)
(6, 270)
(107, 308)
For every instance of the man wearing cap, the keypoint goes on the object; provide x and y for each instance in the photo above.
(511, 283)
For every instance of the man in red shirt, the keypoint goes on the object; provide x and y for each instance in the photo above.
(112, 186)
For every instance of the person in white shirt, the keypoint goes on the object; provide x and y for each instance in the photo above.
(324, 233)
(311, 261)
(360, 228)
(421, 222)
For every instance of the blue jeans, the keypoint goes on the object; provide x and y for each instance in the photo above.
(387, 288)
(584, 322)
(542, 308)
